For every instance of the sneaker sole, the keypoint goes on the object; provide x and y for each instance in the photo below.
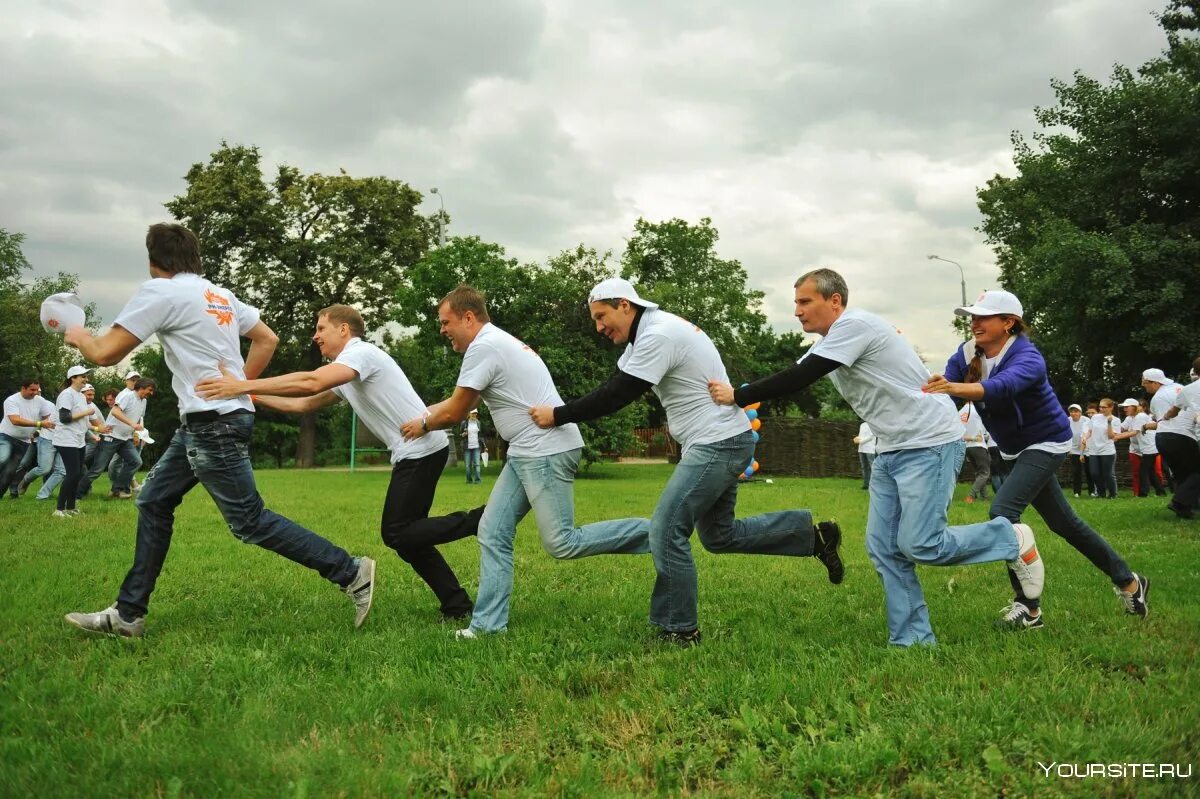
(107, 633)
(360, 620)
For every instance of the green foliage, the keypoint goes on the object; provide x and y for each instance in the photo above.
(28, 350)
(1098, 232)
(301, 243)
(794, 691)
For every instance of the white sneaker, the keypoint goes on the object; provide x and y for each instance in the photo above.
(108, 622)
(467, 634)
(1028, 566)
(72, 511)
(61, 514)
(362, 590)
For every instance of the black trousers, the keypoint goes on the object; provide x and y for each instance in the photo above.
(1078, 468)
(72, 460)
(1182, 454)
(1147, 476)
(407, 528)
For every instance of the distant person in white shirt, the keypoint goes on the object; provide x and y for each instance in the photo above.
(21, 421)
(1131, 432)
(75, 416)
(919, 439)
(677, 360)
(1099, 441)
(866, 452)
(1175, 407)
(1151, 474)
(199, 325)
(539, 473)
(125, 418)
(975, 437)
(380, 393)
(1075, 454)
(471, 450)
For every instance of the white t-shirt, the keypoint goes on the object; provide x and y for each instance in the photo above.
(866, 439)
(678, 359)
(881, 379)
(1188, 402)
(383, 396)
(1127, 424)
(72, 434)
(1078, 426)
(1162, 401)
(472, 434)
(134, 408)
(16, 405)
(1098, 442)
(512, 378)
(1146, 443)
(200, 326)
(974, 433)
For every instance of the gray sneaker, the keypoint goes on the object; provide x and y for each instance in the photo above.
(362, 590)
(108, 622)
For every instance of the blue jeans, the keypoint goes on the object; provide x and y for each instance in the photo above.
(216, 455)
(1104, 474)
(547, 486)
(49, 466)
(1032, 480)
(702, 495)
(907, 525)
(108, 447)
(471, 459)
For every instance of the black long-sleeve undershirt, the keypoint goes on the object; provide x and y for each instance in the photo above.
(789, 381)
(617, 392)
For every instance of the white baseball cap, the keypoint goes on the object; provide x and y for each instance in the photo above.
(1074, 407)
(990, 303)
(75, 371)
(618, 288)
(88, 387)
(132, 375)
(143, 436)
(1128, 402)
(1156, 376)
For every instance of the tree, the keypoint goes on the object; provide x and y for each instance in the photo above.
(301, 243)
(1098, 231)
(28, 351)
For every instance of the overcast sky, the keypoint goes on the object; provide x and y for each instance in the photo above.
(849, 135)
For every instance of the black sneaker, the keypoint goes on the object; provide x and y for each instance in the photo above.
(1182, 511)
(681, 639)
(1136, 602)
(1017, 616)
(828, 541)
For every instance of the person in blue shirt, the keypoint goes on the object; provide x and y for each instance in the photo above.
(1004, 374)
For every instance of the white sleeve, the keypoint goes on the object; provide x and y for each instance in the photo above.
(358, 359)
(247, 315)
(845, 343)
(478, 369)
(146, 312)
(11, 408)
(649, 359)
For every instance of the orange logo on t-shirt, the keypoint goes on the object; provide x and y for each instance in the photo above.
(218, 307)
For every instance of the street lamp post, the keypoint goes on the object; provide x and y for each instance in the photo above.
(442, 218)
(962, 281)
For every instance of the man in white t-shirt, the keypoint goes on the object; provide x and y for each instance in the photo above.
(128, 411)
(539, 472)
(1075, 454)
(17, 428)
(1176, 407)
(380, 393)
(200, 325)
(866, 452)
(471, 447)
(47, 464)
(920, 448)
(676, 360)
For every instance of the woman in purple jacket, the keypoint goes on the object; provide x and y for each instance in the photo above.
(1003, 373)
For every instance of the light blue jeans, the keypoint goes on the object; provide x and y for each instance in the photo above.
(907, 525)
(49, 466)
(547, 486)
(702, 495)
(471, 461)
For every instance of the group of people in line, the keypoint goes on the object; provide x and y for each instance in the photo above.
(69, 443)
(918, 440)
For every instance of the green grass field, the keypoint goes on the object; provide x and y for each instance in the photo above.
(251, 680)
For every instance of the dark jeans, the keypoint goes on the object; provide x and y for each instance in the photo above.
(12, 452)
(1182, 454)
(865, 460)
(1147, 476)
(999, 468)
(72, 461)
(1079, 469)
(105, 450)
(979, 458)
(216, 455)
(407, 528)
(1032, 481)
(1104, 474)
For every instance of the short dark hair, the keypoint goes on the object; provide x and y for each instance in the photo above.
(112, 392)
(344, 314)
(32, 381)
(465, 298)
(173, 248)
(828, 283)
(145, 382)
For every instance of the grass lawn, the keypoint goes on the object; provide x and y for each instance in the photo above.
(251, 680)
